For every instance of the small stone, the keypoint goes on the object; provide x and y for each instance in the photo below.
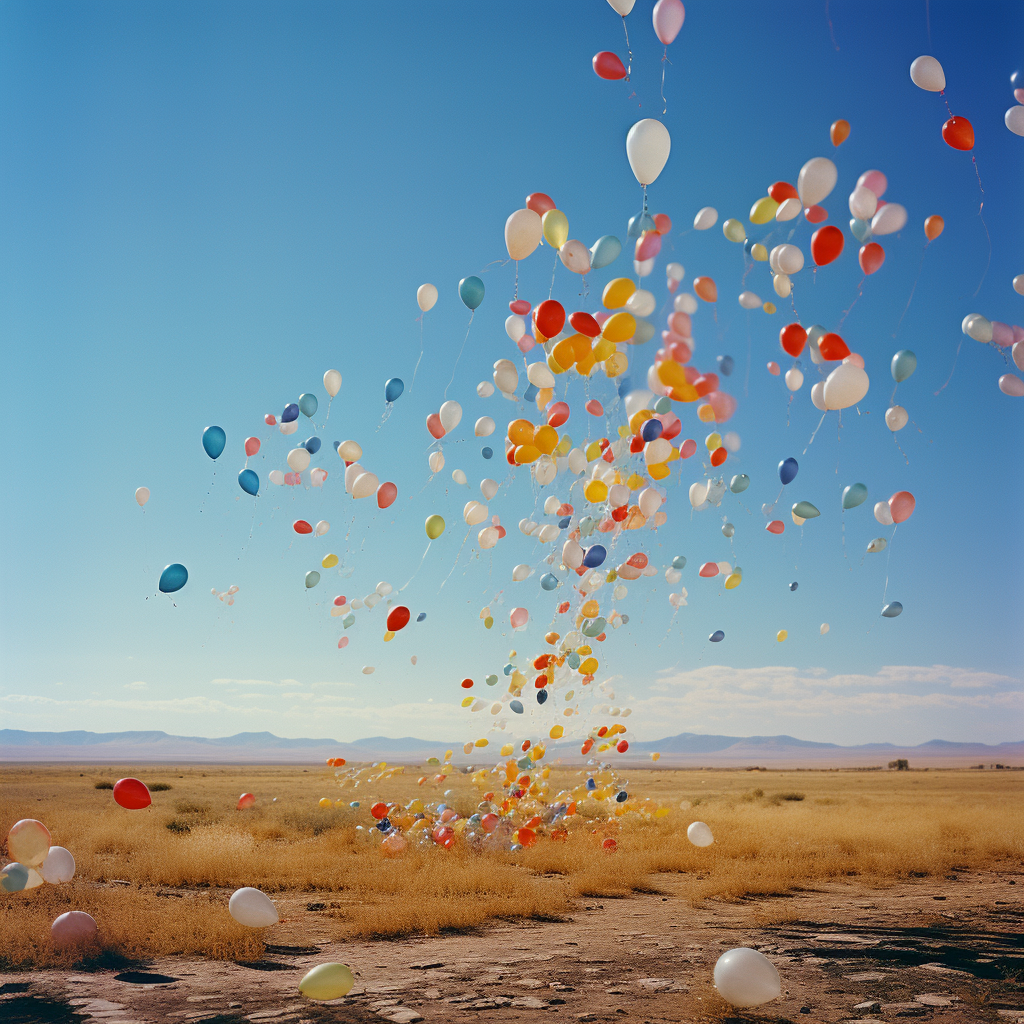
(401, 1015)
(870, 1006)
(529, 1003)
(868, 976)
(560, 986)
(614, 991)
(426, 965)
(584, 1017)
(530, 983)
(805, 1009)
(934, 999)
(655, 984)
(904, 1009)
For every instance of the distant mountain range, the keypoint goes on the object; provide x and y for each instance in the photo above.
(685, 750)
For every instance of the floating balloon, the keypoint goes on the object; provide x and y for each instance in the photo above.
(826, 244)
(173, 578)
(958, 133)
(892, 609)
(312, 579)
(854, 495)
(668, 18)
(648, 145)
(393, 389)
(933, 227)
(142, 495)
(901, 506)
(926, 73)
(131, 794)
(523, 231)
(426, 296)
(816, 180)
(716, 637)
(839, 132)
(332, 378)
(434, 526)
(604, 251)
(471, 291)
(308, 405)
(788, 468)
(607, 65)
(249, 482)
(904, 363)
(214, 440)
(871, 257)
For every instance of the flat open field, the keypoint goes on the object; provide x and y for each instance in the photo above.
(837, 876)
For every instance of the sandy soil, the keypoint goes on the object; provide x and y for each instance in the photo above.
(946, 950)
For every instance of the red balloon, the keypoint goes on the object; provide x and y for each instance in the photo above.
(776, 526)
(673, 425)
(301, 526)
(270, 419)
(901, 506)
(540, 203)
(558, 414)
(826, 244)
(958, 133)
(519, 306)
(467, 684)
(792, 338)
(244, 801)
(585, 324)
(687, 448)
(638, 561)
(434, 426)
(648, 245)
(386, 494)
(132, 794)
(549, 318)
(871, 257)
(662, 223)
(252, 445)
(398, 618)
(379, 810)
(622, 746)
(705, 384)
(718, 456)
(832, 348)
(607, 65)
(815, 214)
(781, 191)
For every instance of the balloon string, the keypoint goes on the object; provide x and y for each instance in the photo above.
(816, 429)
(516, 295)
(928, 23)
(629, 70)
(414, 372)
(985, 226)
(900, 450)
(831, 30)
(456, 562)
(461, 350)
(418, 567)
(953, 370)
(553, 269)
(664, 61)
(888, 555)
(912, 290)
(860, 292)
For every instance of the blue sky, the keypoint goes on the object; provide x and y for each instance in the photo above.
(207, 206)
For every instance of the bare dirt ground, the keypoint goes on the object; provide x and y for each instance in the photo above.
(948, 950)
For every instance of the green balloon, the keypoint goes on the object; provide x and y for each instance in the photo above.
(434, 527)
(312, 579)
(854, 495)
(805, 510)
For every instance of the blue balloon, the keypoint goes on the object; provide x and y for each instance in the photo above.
(421, 616)
(312, 444)
(594, 556)
(214, 440)
(549, 581)
(787, 470)
(651, 429)
(604, 251)
(173, 578)
(249, 482)
(904, 363)
(530, 393)
(854, 495)
(591, 784)
(718, 636)
(312, 579)
(486, 452)
(793, 586)
(625, 386)
(307, 404)
(621, 797)
(679, 562)
(542, 695)
(861, 230)
(625, 619)
(393, 389)
(563, 523)
(892, 609)
(291, 412)
(516, 706)
(572, 659)
(471, 291)
(508, 669)
(726, 364)
(595, 627)
(663, 405)
(383, 825)
(337, 445)
(639, 223)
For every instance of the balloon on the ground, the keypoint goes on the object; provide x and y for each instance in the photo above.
(131, 794)
(745, 977)
(75, 928)
(252, 908)
(327, 981)
(28, 842)
(58, 866)
(698, 833)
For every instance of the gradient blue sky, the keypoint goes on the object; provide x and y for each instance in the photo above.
(205, 206)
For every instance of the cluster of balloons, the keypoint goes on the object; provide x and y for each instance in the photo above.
(1000, 336)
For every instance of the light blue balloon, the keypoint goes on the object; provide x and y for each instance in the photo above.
(854, 495)
(663, 405)
(595, 628)
(805, 510)
(604, 251)
(726, 364)
(572, 660)
(348, 620)
(421, 616)
(549, 581)
(739, 483)
(249, 482)
(639, 223)
(393, 389)
(307, 405)
(861, 230)
(491, 680)
(486, 452)
(679, 562)
(173, 578)
(892, 609)
(530, 393)
(14, 878)
(312, 579)
(471, 291)
(214, 440)
(904, 363)
(516, 706)
(814, 333)
(718, 636)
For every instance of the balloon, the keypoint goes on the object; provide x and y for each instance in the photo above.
(386, 494)
(350, 451)
(883, 513)
(327, 981)
(131, 794)
(249, 482)
(863, 203)
(901, 506)
(523, 231)
(792, 338)
(301, 526)
(788, 469)
(794, 379)
(648, 245)
(298, 459)
(173, 578)
(549, 318)
(926, 73)
(958, 133)
(839, 132)
(733, 230)
(214, 440)
(706, 289)
(519, 618)
(451, 415)
(892, 609)
(471, 291)
(854, 495)
(322, 527)
(506, 376)
(698, 833)
(608, 66)
(434, 526)
(1014, 119)
(252, 446)
(890, 218)
(846, 385)
(707, 217)
(58, 866)
(252, 908)
(861, 230)
(739, 483)
(896, 418)
(826, 244)
(15, 877)
(426, 296)
(871, 257)
(647, 147)
(904, 363)
(365, 484)
(1011, 385)
(245, 801)
(717, 637)
(604, 251)
(555, 228)
(308, 405)
(142, 495)
(75, 928)
(805, 510)
(668, 18)
(398, 618)
(749, 300)
(832, 348)
(933, 227)
(28, 842)
(878, 544)
(816, 180)
(745, 977)
(332, 378)
(290, 414)
(763, 210)
(977, 327)
(539, 203)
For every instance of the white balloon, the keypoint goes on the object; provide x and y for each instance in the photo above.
(506, 376)
(618, 495)
(846, 385)
(544, 470)
(883, 513)
(450, 413)
(575, 256)
(384, 588)
(641, 303)
(896, 418)
(426, 296)
(321, 528)
(548, 534)
(783, 285)
(483, 427)
(1018, 354)
(276, 477)
(635, 401)
(698, 493)
(790, 258)
(523, 233)
(863, 203)
(818, 396)
(745, 977)
(474, 513)
(878, 544)
(824, 628)
(521, 572)
(890, 218)
(643, 268)
(487, 537)
(748, 300)
(816, 180)
(794, 379)
(572, 554)
(365, 485)
(622, 7)
(515, 327)
(371, 600)
(459, 477)
(540, 376)
(551, 504)
(286, 428)
(731, 441)
(527, 527)
(142, 495)
(577, 461)
(926, 73)
(699, 834)
(350, 451)
(485, 389)
(368, 670)
(332, 381)
(648, 145)
(73, 928)
(436, 462)
(977, 327)
(789, 209)
(298, 459)
(685, 302)
(488, 488)
(674, 272)
(707, 217)
(252, 908)
(59, 866)
(1014, 119)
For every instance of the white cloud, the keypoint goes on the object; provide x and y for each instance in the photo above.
(135, 686)
(254, 682)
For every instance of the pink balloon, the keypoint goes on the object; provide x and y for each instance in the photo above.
(1002, 334)
(594, 407)
(602, 317)
(687, 448)
(434, 426)
(668, 19)
(519, 617)
(901, 505)
(526, 342)
(673, 284)
(776, 526)
(773, 368)
(270, 419)
(244, 801)
(681, 324)
(671, 423)
(340, 600)
(875, 181)
(855, 359)
(722, 404)
(1011, 385)
(1018, 95)
(252, 445)
(343, 643)
(648, 245)
(1018, 334)
(709, 569)
(386, 494)
(73, 929)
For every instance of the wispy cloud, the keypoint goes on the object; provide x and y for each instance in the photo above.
(255, 682)
(136, 686)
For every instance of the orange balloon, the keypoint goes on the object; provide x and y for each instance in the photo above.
(706, 289)
(839, 132)
(520, 432)
(933, 227)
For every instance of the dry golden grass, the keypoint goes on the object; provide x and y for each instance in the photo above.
(876, 826)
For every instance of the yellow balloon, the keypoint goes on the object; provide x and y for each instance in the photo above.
(434, 527)
(616, 292)
(488, 622)
(713, 441)
(590, 609)
(594, 451)
(506, 750)
(389, 635)
(564, 445)
(733, 580)
(480, 743)
(466, 701)
(588, 666)
(526, 453)
(615, 364)
(595, 491)
(706, 414)
(635, 482)
(769, 308)
(781, 635)
(763, 210)
(327, 981)
(325, 801)
(555, 226)
(564, 354)
(659, 471)
(602, 349)
(733, 230)
(545, 438)
(556, 732)
(759, 252)
(330, 561)
(619, 327)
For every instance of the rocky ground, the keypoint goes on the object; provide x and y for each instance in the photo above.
(947, 950)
